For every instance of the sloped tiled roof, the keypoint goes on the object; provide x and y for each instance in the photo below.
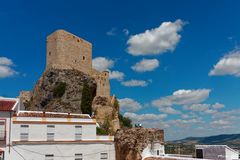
(6, 105)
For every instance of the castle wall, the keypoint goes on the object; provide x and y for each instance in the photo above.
(67, 51)
(103, 85)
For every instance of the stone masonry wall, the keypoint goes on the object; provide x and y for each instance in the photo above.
(67, 51)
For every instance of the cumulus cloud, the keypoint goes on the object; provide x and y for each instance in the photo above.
(228, 65)
(116, 75)
(157, 40)
(206, 108)
(145, 117)
(129, 105)
(135, 83)
(102, 63)
(6, 69)
(169, 110)
(183, 97)
(146, 65)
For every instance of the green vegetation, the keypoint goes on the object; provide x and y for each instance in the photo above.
(87, 98)
(59, 89)
(101, 131)
(125, 122)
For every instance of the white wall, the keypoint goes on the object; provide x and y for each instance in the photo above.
(231, 155)
(38, 132)
(90, 151)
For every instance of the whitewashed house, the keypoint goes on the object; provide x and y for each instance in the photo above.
(35, 135)
(216, 152)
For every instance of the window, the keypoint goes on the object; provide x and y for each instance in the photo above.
(2, 132)
(50, 132)
(1, 155)
(24, 132)
(78, 132)
(49, 157)
(49, 53)
(78, 156)
(104, 156)
(158, 153)
(83, 57)
(199, 153)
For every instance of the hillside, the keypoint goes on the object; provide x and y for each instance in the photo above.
(187, 145)
(228, 139)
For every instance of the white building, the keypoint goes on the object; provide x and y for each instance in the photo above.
(216, 152)
(33, 135)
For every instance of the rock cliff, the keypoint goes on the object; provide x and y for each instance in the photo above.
(106, 113)
(130, 143)
(60, 91)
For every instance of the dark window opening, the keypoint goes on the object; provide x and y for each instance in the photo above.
(158, 152)
(83, 58)
(78, 40)
(199, 153)
(49, 53)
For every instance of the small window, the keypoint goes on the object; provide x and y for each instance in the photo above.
(158, 153)
(83, 57)
(78, 40)
(49, 53)
(50, 132)
(78, 132)
(104, 156)
(49, 157)
(78, 156)
(199, 153)
(24, 132)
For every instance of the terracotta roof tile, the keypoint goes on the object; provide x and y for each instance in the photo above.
(7, 105)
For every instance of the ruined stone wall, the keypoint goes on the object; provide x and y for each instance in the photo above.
(67, 51)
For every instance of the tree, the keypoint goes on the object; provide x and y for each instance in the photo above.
(86, 104)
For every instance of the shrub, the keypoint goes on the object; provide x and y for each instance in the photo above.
(125, 121)
(59, 89)
(101, 131)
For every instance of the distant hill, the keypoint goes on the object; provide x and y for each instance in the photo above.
(228, 139)
(187, 145)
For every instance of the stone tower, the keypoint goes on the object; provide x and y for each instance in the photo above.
(67, 51)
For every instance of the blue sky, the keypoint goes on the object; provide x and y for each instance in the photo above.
(180, 59)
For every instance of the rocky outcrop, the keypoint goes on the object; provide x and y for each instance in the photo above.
(130, 143)
(106, 113)
(60, 91)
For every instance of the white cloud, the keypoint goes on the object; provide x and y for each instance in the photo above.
(126, 31)
(129, 105)
(145, 117)
(183, 97)
(169, 110)
(116, 75)
(102, 63)
(135, 83)
(6, 67)
(218, 106)
(228, 65)
(197, 107)
(146, 65)
(157, 40)
(112, 32)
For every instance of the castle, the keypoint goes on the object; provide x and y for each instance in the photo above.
(67, 51)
